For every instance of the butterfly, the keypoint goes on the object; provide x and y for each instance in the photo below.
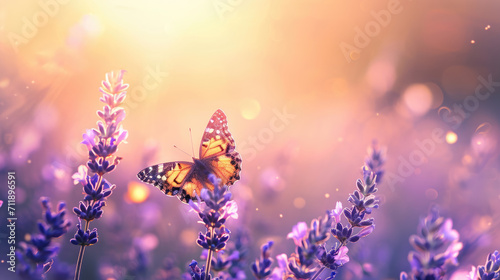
(186, 179)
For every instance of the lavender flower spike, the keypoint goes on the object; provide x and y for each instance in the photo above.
(490, 271)
(102, 143)
(35, 255)
(428, 261)
(214, 211)
(311, 256)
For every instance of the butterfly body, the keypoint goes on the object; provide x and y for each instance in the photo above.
(186, 179)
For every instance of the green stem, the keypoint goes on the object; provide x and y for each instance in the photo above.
(209, 257)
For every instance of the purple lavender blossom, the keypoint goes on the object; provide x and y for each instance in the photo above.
(299, 231)
(235, 253)
(429, 260)
(310, 241)
(102, 143)
(375, 160)
(198, 273)
(261, 268)
(229, 263)
(214, 211)
(35, 255)
(490, 271)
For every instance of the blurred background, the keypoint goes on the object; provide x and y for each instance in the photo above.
(306, 86)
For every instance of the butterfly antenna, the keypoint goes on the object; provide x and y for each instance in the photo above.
(192, 146)
(182, 150)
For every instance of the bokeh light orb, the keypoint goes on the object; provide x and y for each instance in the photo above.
(484, 141)
(451, 137)
(431, 194)
(137, 192)
(250, 108)
(299, 202)
(418, 99)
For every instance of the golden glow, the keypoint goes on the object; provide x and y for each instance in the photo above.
(187, 236)
(4, 83)
(451, 137)
(250, 108)
(137, 192)
(466, 160)
(485, 223)
(299, 202)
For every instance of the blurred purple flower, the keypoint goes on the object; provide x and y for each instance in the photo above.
(337, 212)
(375, 160)
(448, 232)
(366, 231)
(299, 231)
(35, 255)
(230, 210)
(89, 139)
(452, 252)
(342, 258)
(261, 268)
(81, 175)
(196, 272)
(473, 275)
(428, 261)
(281, 271)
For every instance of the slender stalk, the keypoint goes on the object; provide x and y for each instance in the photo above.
(209, 257)
(79, 262)
(80, 257)
(318, 273)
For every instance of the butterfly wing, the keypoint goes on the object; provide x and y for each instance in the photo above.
(217, 150)
(173, 178)
(217, 155)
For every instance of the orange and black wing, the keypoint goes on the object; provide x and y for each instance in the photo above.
(187, 179)
(217, 150)
(174, 179)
